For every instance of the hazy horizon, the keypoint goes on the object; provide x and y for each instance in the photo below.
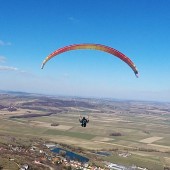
(80, 96)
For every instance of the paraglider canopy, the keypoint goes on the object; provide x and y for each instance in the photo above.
(93, 47)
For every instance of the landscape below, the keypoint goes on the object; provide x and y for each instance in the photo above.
(127, 133)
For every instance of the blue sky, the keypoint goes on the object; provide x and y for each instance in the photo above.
(31, 30)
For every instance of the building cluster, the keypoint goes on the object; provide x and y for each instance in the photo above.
(24, 167)
(41, 155)
(124, 154)
(12, 109)
(57, 159)
(113, 166)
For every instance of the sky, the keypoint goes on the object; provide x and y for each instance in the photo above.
(31, 30)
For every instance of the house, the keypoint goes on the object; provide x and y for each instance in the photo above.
(50, 145)
(24, 167)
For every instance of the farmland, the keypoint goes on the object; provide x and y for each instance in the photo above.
(143, 126)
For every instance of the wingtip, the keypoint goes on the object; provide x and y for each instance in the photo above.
(42, 66)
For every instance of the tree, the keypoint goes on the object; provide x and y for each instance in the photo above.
(1, 167)
(54, 124)
(68, 168)
(115, 134)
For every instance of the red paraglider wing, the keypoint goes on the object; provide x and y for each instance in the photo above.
(94, 47)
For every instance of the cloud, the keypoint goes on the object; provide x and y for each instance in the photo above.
(2, 59)
(73, 19)
(18, 71)
(8, 68)
(2, 43)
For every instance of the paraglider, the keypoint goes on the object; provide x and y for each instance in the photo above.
(83, 121)
(94, 47)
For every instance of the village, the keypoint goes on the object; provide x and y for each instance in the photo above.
(39, 156)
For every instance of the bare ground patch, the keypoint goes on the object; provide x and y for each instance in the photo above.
(151, 139)
(103, 139)
(48, 125)
(167, 160)
(160, 147)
